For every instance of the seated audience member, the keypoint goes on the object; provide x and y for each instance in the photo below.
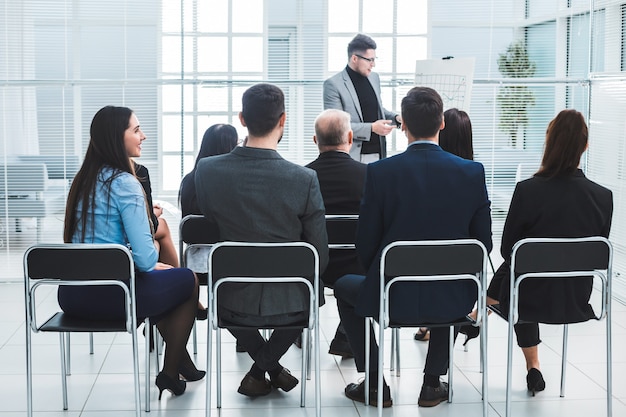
(456, 138)
(262, 198)
(162, 235)
(341, 180)
(218, 139)
(423, 193)
(558, 201)
(106, 204)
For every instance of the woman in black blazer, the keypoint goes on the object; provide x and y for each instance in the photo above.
(558, 201)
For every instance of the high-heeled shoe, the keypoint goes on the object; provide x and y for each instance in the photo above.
(202, 314)
(470, 332)
(164, 382)
(191, 375)
(535, 381)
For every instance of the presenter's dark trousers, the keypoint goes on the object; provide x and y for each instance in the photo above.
(347, 289)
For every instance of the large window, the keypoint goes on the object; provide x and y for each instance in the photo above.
(183, 65)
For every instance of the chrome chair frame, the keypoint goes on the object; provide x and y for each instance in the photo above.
(594, 267)
(312, 322)
(60, 323)
(187, 245)
(479, 277)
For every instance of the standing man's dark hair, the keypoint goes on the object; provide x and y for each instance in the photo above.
(422, 112)
(262, 106)
(359, 44)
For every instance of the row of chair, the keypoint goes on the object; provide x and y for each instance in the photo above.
(401, 262)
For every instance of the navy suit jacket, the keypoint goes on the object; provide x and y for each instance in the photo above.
(423, 193)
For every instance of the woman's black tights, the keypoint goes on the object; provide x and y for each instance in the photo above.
(175, 329)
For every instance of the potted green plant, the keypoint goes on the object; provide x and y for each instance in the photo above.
(514, 100)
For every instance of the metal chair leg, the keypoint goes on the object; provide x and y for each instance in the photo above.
(147, 362)
(450, 363)
(367, 360)
(564, 360)
(63, 368)
(218, 366)
(396, 336)
(68, 348)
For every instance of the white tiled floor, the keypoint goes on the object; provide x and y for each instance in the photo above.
(101, 384)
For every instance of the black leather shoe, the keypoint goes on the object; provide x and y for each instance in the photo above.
(284, 380)
(430, 397)
(340, 348)
(253, 387)
(356, 392)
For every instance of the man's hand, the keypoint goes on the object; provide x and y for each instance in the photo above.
(383, 127)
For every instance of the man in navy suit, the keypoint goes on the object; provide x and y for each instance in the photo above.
(356, 90)
(423, 193)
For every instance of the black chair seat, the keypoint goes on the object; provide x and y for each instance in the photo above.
(62, 322)
(461, 322)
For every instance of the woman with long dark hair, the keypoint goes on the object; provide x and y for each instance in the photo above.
(106, 204)
(218, 139)
(558, 201)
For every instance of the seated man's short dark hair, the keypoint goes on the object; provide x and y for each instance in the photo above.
(262, 106)
(422, 112)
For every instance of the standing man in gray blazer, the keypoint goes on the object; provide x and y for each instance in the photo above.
(254, 195)
(356, 90)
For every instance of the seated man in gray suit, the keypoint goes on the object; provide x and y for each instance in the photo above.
(254, 195)
(356, 90)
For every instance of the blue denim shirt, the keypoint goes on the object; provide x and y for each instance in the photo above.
(120, 216)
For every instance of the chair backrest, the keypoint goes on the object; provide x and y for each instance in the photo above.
(263, 260)
(341, 230)
(196, 229)
(429, 272)
(561, 255)
(196, 236)
(580, 259)
(289, 269)
(58, 166)
(23, 178)
(433, 257)
(78, 262)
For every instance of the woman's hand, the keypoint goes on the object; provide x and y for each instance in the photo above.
(160, 266)
(158, 210)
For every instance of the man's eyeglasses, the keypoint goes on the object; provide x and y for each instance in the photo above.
(370, 60)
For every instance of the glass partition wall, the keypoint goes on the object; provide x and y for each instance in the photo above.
(182, 65)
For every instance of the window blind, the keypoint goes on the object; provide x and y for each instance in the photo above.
(183, 65)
